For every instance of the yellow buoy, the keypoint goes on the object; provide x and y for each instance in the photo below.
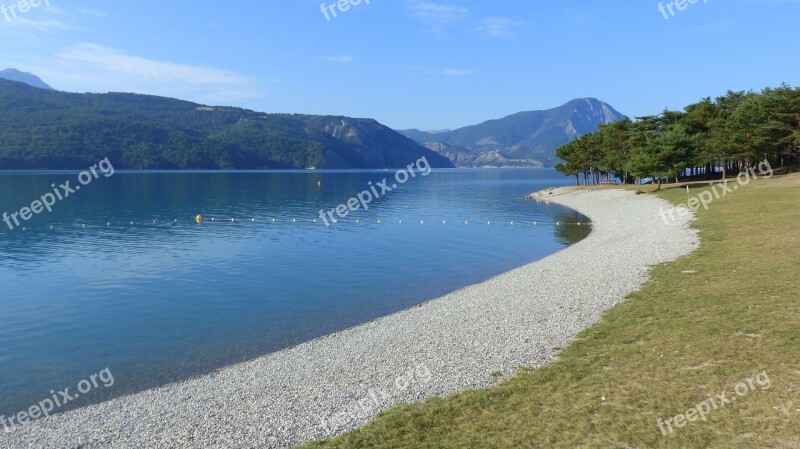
(198, 218)
(319, 183)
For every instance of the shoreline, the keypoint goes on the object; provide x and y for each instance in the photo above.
(470, 338)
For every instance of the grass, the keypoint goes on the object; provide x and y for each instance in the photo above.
(700, 326)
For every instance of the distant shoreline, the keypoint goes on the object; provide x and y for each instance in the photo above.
(470, 338)
(269, 170)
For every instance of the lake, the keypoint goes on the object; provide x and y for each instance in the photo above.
(120, 275)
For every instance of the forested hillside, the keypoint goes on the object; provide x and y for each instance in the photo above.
(42, 129)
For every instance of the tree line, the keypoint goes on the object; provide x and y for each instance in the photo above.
(708, 139)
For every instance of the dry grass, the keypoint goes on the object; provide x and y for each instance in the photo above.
(701, 325)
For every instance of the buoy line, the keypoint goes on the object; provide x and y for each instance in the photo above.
(201, 220)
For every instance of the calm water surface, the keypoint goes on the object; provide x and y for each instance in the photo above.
(160, 302)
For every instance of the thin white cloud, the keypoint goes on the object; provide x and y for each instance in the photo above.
(338, 58)
(96, 68)
(457, 72)
(35, 19)
(498, 26)
(41, 25)
(437, 11)
(433, 73)
(92, 12)
(715, 27)
(111, 60)
(51, 9)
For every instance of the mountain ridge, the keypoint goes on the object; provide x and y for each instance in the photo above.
(49, 129)
(529, 138)
(24, 77)
(154, 132)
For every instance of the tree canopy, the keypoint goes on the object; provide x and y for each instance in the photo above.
(708, 138)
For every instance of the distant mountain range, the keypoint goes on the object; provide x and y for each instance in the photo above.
(44, 129)
(24, 77)
(524, 139)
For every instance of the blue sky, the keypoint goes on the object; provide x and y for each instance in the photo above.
(409, 63)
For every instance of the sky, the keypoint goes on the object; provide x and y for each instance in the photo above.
(408, 63)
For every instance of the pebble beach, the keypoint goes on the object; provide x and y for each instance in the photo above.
(471, 338)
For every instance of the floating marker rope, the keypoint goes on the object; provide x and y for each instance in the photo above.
(199, 220)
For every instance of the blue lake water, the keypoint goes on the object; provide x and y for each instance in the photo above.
(160, 300)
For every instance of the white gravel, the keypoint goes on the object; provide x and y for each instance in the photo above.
(470, 338)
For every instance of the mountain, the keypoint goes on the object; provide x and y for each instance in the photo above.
(23, 77)
(462, 157)
(525, 138)
(59, 130)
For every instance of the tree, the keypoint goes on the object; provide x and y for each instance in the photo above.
(575, 159)
(614, 144)
(721, 146)
(732, 131)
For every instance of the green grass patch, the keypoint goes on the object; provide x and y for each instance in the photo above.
(700, 326)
